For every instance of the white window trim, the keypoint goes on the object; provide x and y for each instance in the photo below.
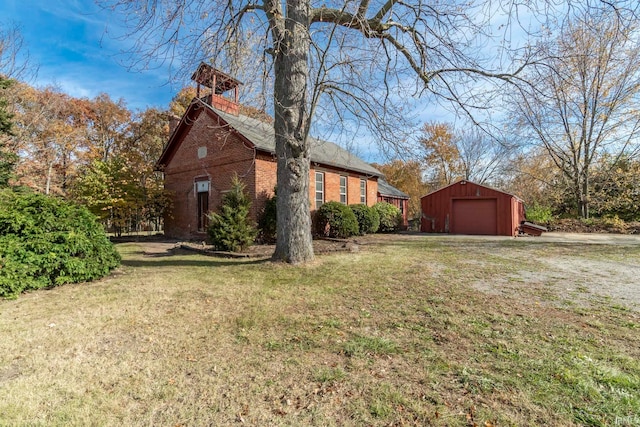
(318, 173)
(363, 196)
(346, 189)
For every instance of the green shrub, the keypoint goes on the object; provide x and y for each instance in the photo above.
(268, 220)
(231, 229)
(334, 219)
(390, 217)
(45, 241)
(539, 214)
(368, 218)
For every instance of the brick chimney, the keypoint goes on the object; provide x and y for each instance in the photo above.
(224, 88)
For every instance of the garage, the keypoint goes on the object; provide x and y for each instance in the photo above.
(471, 216)
(465, 207)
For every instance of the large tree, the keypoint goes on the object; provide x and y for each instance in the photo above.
(362, 57)
(585, 100)
(13, 64)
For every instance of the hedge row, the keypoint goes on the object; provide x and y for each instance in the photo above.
(47, 242)
(334, 219)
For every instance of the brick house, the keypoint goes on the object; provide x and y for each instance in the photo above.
(213, 141)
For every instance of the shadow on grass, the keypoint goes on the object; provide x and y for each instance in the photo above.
(168, 261)
(133, 238)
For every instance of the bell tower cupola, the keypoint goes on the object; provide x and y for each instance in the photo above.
(224, 88)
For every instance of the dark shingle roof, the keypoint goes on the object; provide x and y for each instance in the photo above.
(323, 152)
(386, 189)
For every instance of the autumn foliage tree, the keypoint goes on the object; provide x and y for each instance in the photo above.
(94, 151)
(123, 189)
(441, 156)
(50, 134)
(407, 176)
(616, 188)
(450, 154)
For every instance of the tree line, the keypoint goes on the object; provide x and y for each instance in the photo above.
(96, 152)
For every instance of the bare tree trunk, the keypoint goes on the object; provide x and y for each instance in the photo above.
(291, 48)
(585, 197)
(49, 173)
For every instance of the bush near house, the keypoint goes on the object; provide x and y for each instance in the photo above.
(390, 217)
(336, 220)
(45, 241)
(368, 218)
(231, 229)
(268, 220)
(539, 214)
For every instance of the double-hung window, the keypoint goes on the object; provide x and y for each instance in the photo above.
(363, 191)
(343, 189)
(319, 189)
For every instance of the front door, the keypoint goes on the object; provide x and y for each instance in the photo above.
(203, 210)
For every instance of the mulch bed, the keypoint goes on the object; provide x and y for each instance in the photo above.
(320, 246)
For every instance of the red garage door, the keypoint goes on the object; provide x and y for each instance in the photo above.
(474, 216)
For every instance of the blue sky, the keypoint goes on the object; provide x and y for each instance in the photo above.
(75, 45)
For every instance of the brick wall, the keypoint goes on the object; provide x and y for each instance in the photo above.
(265, 182)
(208, 152)
(332, 186)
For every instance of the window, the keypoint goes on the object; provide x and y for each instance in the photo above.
(319, 189)
(363, 191)
(343, 189)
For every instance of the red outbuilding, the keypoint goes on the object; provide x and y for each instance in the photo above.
(465, 207)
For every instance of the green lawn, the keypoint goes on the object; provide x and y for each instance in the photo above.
(408, 331)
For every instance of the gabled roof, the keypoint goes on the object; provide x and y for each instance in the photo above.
(465, 181)
(323, 152)
(262, 136)
(386, 189)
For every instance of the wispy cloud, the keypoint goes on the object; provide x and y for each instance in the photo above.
(78, 47)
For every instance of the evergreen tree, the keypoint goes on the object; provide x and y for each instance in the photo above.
(7, 159)
(231, 229)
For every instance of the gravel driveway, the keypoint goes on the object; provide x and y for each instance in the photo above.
(575, 268)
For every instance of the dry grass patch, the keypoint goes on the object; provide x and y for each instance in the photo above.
(398, 333)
